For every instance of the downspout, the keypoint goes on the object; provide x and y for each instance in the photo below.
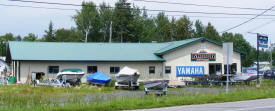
(18, 70)
(162, 74)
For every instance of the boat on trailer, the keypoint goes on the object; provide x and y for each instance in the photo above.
(160, 86)
(127, 77)
(72, 76)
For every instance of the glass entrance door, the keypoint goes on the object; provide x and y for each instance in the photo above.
(215, 69)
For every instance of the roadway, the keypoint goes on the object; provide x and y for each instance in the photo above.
(251, 105)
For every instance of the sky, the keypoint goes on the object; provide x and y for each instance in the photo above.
(22, 20)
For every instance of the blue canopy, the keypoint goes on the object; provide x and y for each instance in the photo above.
(98, 77)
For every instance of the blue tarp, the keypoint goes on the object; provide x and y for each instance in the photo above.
(98, 77)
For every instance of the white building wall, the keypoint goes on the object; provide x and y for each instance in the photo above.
(27, 67)
(182, 57)
(178, 57)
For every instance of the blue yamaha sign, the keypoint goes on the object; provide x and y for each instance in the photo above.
(190, 70)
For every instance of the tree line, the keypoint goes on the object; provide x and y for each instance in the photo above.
(126, 22)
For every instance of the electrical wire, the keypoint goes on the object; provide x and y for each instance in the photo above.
(150, 14)
(151, 10)
(248, 20)
(200, 5)
(262, 25)
(35, 7)
(223, 17)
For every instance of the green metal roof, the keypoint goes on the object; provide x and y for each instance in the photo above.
(176, 44)
(179, 44)
(70, 51)
(59, 51)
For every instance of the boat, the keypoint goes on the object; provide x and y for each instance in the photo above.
(156, 84)
(98, 78)
(243, 77)
(127, 75)
(159, 86)
(72, 76)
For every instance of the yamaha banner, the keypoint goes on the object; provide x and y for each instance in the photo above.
(190, 70)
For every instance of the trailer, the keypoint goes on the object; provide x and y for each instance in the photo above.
(157, 86)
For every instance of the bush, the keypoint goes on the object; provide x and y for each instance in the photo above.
(111, 83)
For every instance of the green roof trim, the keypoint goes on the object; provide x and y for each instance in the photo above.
(179, 44)
(76, 51)
(176, 44)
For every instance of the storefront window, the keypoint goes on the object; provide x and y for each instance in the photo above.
(114, 70)
(215, 69)
(91, 69)
(167, 69)
(53, 69)
(232, 69)
(152, 70)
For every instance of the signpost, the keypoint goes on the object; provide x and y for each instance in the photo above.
(227, 58)
(262, 41)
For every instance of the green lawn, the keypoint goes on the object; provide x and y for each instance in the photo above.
(28, 98)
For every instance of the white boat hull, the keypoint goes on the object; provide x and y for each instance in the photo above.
(126, 79)
(156, 84)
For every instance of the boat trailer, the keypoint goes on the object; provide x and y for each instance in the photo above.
(157, 86)
(4, 81)
(130, 84)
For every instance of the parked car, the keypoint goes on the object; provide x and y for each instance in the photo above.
(269, 74)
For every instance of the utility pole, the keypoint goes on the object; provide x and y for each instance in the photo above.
(258, 81)
(264, 44)
(271, 49)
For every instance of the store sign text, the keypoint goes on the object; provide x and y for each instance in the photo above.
(203, 57)
(190, 70)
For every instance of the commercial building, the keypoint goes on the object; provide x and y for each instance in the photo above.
(170, 60)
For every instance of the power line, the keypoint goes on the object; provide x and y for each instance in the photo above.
(261, 26)
(249, 19)
(24, 6)
(51, 3)
(223, 17)
(174, 11)
(35, 7)
(200, 5)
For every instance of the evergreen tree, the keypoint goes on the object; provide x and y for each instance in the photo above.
(184, 28)
(162, 23)
(122, 20)
(200, 30)
(49, 36)
(212, 33)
